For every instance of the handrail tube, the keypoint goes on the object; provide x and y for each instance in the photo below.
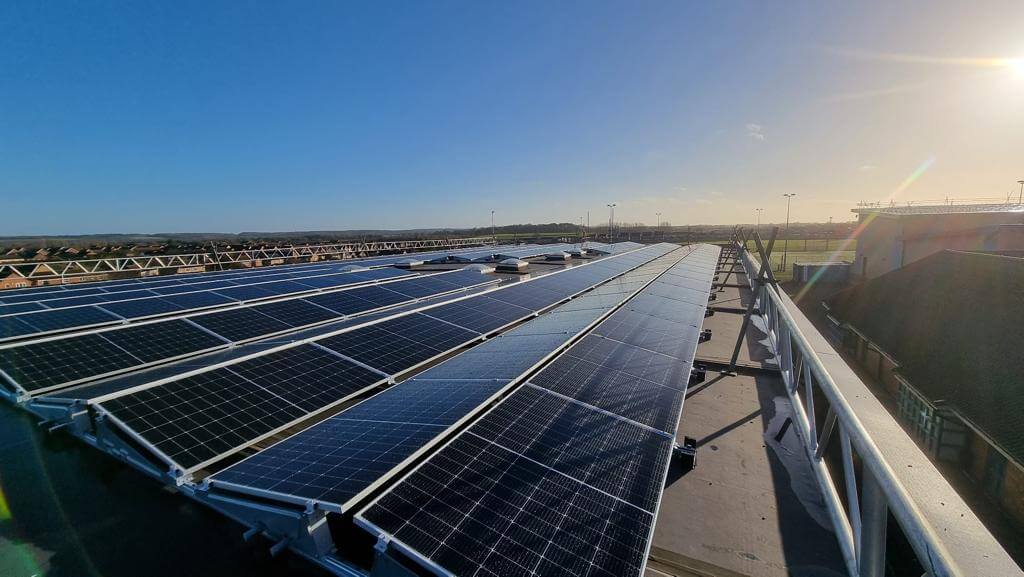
(963, 542)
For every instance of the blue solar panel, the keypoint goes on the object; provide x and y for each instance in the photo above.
(588, 440)
(68, 318)
(198, 300)
(141, 308)
(20, 308)
(11, 327)
(246, 293)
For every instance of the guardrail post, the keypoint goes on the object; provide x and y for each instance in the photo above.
(874, 519)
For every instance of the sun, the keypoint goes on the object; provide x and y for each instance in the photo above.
(1017, 64)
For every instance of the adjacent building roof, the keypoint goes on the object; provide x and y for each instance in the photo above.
(954, 321)
(939, 209)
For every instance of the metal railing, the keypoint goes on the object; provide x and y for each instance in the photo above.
(894, 474)
(46, 270)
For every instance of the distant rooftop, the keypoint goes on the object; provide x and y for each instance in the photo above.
(939, 209)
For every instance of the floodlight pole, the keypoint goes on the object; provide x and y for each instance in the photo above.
(785, 249)
(657, 225)
(611, 218)
(758, 211)
(494, 237)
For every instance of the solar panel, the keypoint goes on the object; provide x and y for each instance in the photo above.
(613, 390)
(343, 303)
(306, 376)
(200, 417)
(44, 364)
(597, 424)
(246, 293)
(74, 301)
(11, 309)
(378, 295)
(198, 300)
(240, 324)
(397, 345)
(68, 318)
(11, 327)
(335, 460)
(476, 508)
(296, 312)
(141, 308)
(350, 456)
(236, 409)
(156, 342)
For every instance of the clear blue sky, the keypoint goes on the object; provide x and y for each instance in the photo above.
(208, 116)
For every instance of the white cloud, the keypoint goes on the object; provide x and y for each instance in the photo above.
(867, 167)
(716, 193)
(703, 201)
(755, 131)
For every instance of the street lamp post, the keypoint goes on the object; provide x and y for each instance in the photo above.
(494, 238)
(758, 211)
(657, 225)
(785, 248)
(611, 218)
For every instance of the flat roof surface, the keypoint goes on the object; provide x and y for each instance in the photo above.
(752, 505)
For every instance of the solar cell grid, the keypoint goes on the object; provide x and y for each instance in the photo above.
(240, 324)
(296, 312)
(13, 309)
(306, 376)
(332, 461)
(14, 327)
(155, 342)
(343, 303)
(68, 318)
(432, 402)
(640, 363)
(614, 391)
(193, 287)
(198, 300)
(195, 419)
(141, 308)
(246, 293)
(607, 453)
(74, 301)
(50, 363)
(478, 509)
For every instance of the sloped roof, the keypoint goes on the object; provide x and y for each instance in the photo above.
(954, 321)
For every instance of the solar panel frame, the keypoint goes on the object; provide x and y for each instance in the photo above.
(237, 483)
(443, 554)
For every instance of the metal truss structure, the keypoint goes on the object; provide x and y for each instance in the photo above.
(65, 269)
(877, 468)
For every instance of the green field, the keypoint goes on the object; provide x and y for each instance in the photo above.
(815, 252)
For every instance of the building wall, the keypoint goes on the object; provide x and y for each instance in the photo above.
(890, 242)
(876, 246)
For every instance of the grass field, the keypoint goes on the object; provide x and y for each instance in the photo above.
(815, 251)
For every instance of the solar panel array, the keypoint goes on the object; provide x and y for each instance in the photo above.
(180, 420)
(36, 311)
(116, 308)
(339, 459)
(40, 366)
(564, 476)
(184, 282)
